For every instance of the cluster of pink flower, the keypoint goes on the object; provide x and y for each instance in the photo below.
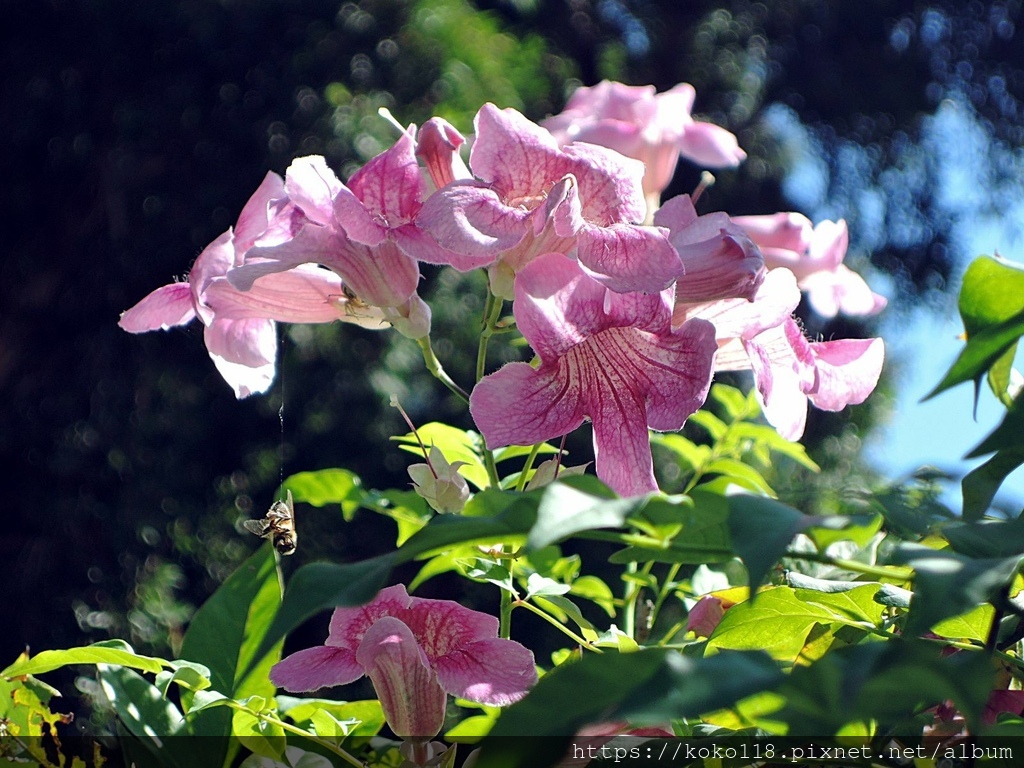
(629, 321)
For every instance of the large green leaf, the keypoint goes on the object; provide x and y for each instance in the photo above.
(648, 686)
(949, 584)
(226, 635)
(992, 308)
(762, 529)
(578, 504)
(698, 526)
(780, 620)
(326, 486)
(105, 652)
(981, 484)
(1009, 435)
(149, 717)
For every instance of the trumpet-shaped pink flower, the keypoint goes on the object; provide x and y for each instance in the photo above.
(414, 650)
(721, 262)
(363, 231)
(531, 197)
(610, 357)
(239, 325)
(655, 128)
(789, 370)
(815, 255)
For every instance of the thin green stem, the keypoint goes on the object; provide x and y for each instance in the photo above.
(521, 482)
(556, 623)
(894, 572)
(492, 313)
(666, 590)
(629, 596)
(347, 757)
(505, 611)
(437, 370)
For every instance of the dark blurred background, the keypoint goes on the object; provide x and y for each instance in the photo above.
(136, 131)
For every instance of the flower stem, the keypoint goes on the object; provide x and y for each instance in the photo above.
(521, 482)
(505, 613)
(347, 757)
(492, 313)
(893, 572)
(555, 622)
(436, 369)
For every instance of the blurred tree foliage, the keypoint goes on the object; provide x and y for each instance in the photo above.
(136, 131)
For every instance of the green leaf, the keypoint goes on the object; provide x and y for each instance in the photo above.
(141, 707)
(594, 589)
(187, 674)
(566, 606)
(991, 306)
(732, 400)
(327, 486)
(714, 425)
(973, 625)
(367, 715)
(740, 473)
(226, 636)
(768, 436)
(983, 350)
(987, 538)
(567, 508)
(781, 618)
(542, 585)
(948, 584)
(696, 526)
(648, 686)
(992, 291)
(689, 454)
(981, 483)
(1009, 435)
(105, 652)
(1000, 376)
(761, 530)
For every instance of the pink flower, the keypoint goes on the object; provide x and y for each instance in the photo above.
(789, 370)
(239, 325)
(815, 255)
(363, 231)
(531, 197)
(414, 650)
(721, 262)
(655, 128)
(610, 357)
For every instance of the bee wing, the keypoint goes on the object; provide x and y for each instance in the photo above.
(260, 527)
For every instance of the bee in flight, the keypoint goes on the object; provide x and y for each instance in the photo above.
(278, 525)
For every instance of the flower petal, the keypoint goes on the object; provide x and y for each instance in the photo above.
(493, 671)
(305, 294)
(251, 342)
(164, 308)
(437, 145)
(320, 667)
(711, 146)
(625, 257)
(544, 406)
(847, 371)
(410, 695)
(348, 625)
(390, 185)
